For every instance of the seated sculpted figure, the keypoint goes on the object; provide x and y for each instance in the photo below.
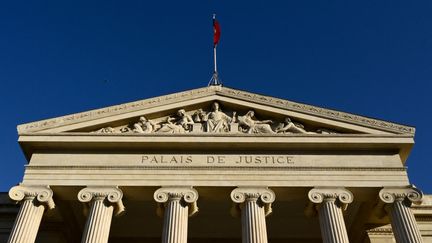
(254, 126)
(170, 126)
(216, 120)
(290, 127)
(144, 126)
(181, 125)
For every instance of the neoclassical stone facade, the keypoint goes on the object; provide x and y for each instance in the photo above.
(215, 164)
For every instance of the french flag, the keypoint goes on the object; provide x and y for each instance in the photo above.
(217, 31)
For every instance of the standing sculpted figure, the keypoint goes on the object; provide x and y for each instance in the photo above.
(216, 120)
(254, 126)
(185, 120)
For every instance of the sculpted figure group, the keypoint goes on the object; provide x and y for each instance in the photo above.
(214, 121)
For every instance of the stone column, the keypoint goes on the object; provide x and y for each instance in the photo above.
(104, 201)
(255, 205)
(398, 202)
(34, 201)
(329, 202)
(176, 204)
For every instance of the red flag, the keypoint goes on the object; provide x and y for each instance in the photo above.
(217, 31)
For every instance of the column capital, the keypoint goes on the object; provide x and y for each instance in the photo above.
(329, 203)
(261, 195)
(340, 195)
(110, 194)
(187, 195)
(408, 195)
(42, 194)
(396, 201)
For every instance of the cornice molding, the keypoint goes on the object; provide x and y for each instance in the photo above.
(380, 231)
(114, 110)
(241, 168)
(214, 90)
(319, 111)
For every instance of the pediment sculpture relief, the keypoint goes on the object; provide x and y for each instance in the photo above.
(214, 121)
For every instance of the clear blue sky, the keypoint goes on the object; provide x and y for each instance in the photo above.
(371, 58)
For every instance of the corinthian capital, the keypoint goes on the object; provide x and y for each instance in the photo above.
(408, 195)
(261, 195)
(187, 196)
(110, 195)
(42, 194)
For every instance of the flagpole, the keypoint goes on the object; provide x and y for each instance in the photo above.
(214, 50)
(215, 65)
(215, 79)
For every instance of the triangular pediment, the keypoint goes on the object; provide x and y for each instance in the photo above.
(214, 109)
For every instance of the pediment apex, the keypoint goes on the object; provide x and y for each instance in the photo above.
(205, 96)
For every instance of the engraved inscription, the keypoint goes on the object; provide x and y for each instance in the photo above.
(265, 160)
(166, 159)
(218, 160)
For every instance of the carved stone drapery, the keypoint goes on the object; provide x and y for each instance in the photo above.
(104, 201)
(34, 200)
(175, 205)
(213, 121)
(214, 90)
(398, 202)
(329, 203)
(255, 205)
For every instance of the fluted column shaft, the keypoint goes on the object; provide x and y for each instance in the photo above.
(330, 202)
(253, 221)
(255, 205)
(34, 201)
(103, 201)
(402, 219)
(176, 204)
(27, 222)
(332, 222)
(99, 221)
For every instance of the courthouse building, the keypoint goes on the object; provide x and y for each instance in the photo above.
(215, 164)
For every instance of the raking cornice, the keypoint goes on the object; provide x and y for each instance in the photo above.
(208, 91)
